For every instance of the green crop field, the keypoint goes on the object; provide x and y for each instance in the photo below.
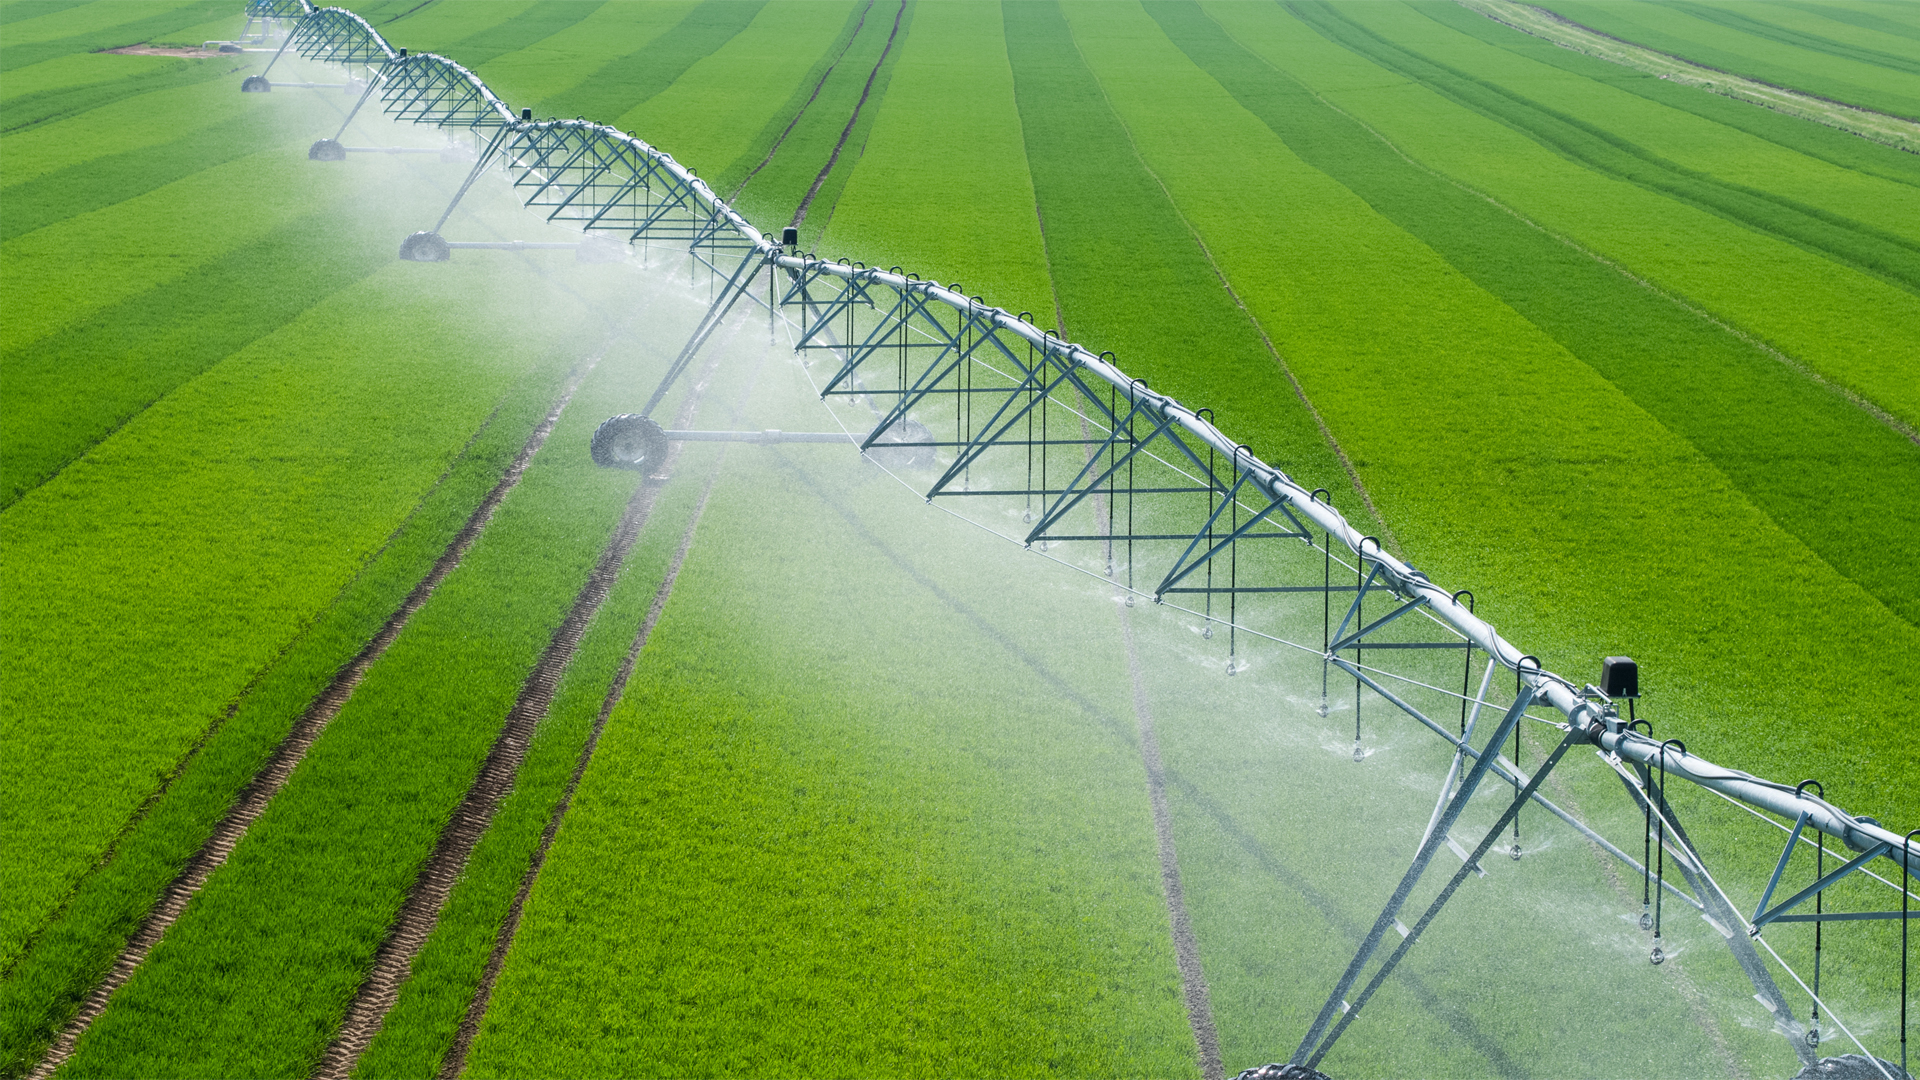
(352, 722)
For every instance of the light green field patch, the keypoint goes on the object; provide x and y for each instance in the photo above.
(1853, 329)
(133, 123)
(711, 114)
(1675, 31)
(48, 285)
(553, 64)
(76, 69)
(437, 28)
(1683, 138)
(941, 190)
(153, 577)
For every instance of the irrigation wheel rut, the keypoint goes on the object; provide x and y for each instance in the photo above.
(278, 769)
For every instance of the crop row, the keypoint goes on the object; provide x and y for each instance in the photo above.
(869, 805)
(319, 877)
(1869, 78)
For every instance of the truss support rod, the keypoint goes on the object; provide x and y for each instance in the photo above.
(1805, 894)
(1779, 868)
(1720, 913)
(373, 80)
(749, 267)
(1337, 999)
(1433, 909)
(479, 166)
(283, 48)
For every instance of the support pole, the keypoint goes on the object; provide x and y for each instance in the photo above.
(1337, 999)
(1486, 844)
(743, 276)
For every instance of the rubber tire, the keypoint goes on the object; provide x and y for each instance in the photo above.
(327, 150)
(255, 84)
(904, 430)
(629, 441)
(425, 247)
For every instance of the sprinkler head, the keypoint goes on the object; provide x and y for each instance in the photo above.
(628, 441)
(1813, 1037)
(1230, 669)
(1515, 852)
(903, 430)
(1323, 706)
(1027, 517)
(1659, 955)
(1359, 754)
(255, 84)
(425, 247)
(1129, 599)
(1109, 569)
(327, 150)
(1207, 633)
(1646, 919)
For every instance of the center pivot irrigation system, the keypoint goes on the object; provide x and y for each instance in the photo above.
(987, 415)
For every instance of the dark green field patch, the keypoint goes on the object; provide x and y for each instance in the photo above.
(530, 27)
(1831, 145)
(1169, 318)
(817, 156)
(1803, 454)
(1865, 20)
(33, 9)
(1760, 28)
(115, 35)
(39, 107)
(807, 92)
(1864, 247)
(67, 392)
(622, 83)
(102, 182)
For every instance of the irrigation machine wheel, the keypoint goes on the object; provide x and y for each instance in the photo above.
(425, 247)
(255, 84)
(629, 441)
(327, 150)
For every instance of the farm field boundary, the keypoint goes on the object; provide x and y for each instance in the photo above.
(745, 252)
(1897, 131)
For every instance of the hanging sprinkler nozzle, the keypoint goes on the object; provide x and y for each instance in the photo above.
(1646, 915)
(1359, 754)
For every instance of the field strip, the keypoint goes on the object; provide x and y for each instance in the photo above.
(1186, 947)
(800, 214)
(421, 912)
(240, 699)
(1866, 123)
(1852, 397)
(279, 768)
(788, 130)
(456, 1058)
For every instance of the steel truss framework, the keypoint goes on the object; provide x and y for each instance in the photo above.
(984, 407)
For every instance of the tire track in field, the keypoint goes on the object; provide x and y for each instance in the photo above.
(279, 767)
(463, 1037)
(420, 912)
(800, 215)
(239, 700)
(788, 130)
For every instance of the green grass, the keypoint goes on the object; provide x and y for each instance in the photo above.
(818, 836)
(983, 232)
(866, 849)
(105, 25)
(1704, 36)
(724, 115)
(69, 953)
(394, 762)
